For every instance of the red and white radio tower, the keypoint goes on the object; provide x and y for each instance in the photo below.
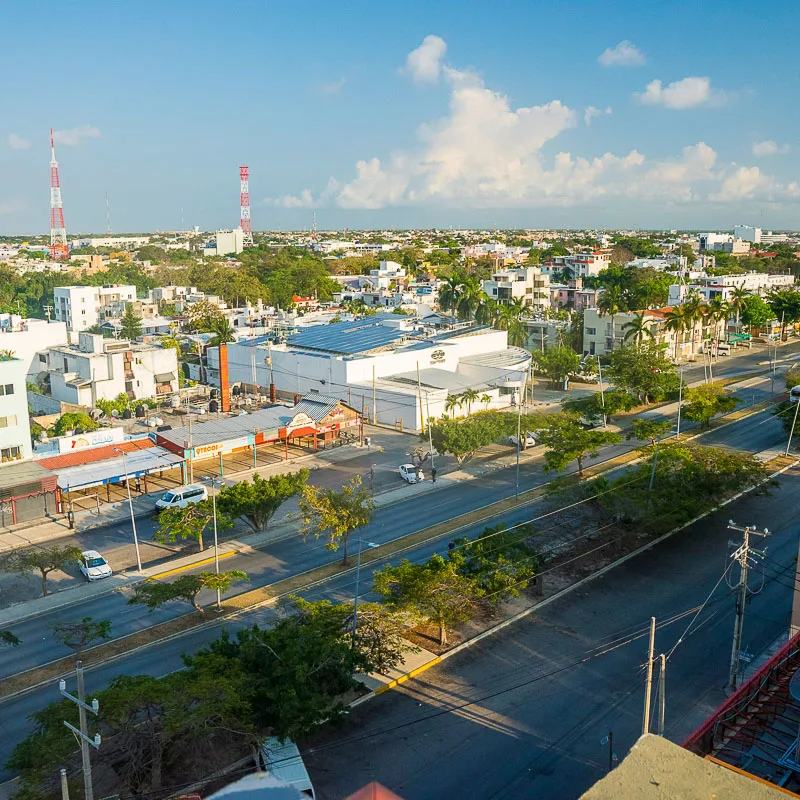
(244, 203)
(59, 249)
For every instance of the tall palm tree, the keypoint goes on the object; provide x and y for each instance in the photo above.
(450, 294)
(694, 308)
(677, 321)
(486, 310)
(517, 332)
(452, 402)
(469, 298)
(738, 301)
(637, 329)
(469, 396)
(223, 332)
(611, 302)
(718, 312)
(485, 399)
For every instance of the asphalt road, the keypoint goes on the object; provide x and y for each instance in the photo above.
(524, 713)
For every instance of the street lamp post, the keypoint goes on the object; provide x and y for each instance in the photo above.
(214, 483)
(130, 506)
(355, 596)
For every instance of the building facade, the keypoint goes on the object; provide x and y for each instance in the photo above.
(26, 337)
(527, 285)
(578, 265)
(15, 427)
(81, 307)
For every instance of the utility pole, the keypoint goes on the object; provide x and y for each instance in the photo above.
(662, 698)
(680, 402)
(794, 422)
(81, 734)
(742, 554)
(374, 410)
(64, 785)
(648, 689)
(602, 394)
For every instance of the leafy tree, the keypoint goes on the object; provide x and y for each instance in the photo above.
(45, 560)
(434, 589)
(258, 500)
(785, 306)
(637, 329)
(469, 396)
(558, 363)
(792, 377)
(595, 405)
(755, 313)
(77, 636)
(643, 370)
(379, 636)
(71, 421)
(500, 561)
(203, 315)
(706, 401)
(223, 332)
(130, 324)
(155, 593)
(463, 437)
(567, 440)
(190, 522)
(335, 515)
(649, 429)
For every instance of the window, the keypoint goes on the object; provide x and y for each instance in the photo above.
(591, 331)
(7, 389)
(10, 452)
(43, 358)
(9, 421)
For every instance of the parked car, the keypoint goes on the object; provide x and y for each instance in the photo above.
(723, 349)
(528, 440)
(94, 566)
(182, 496)
(794, 394)
(411, 474)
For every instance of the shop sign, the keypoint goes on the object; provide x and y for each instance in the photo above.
(438, 356)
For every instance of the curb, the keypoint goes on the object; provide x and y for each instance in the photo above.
(562, 593)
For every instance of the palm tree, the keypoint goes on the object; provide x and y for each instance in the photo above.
(738, 301)
(637, 329)
(676, 320)
(611, 302)
(485, 399)
(486, 310)
(223, 332)
(694, 309)
(469, 297)
(718, 311)
(517, 332)
(450, 294)
(469, 396)
(452, 402)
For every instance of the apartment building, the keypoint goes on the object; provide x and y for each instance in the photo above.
(578, 265)
(81, 307)
(526, 284)
(573, 295)
(722, 286)
(225, 243)
(24, 338)
(101, 369)
(15, 428)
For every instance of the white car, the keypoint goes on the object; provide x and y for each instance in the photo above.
(182, 496)
(527, 439)
(94, 566)
(411, 474)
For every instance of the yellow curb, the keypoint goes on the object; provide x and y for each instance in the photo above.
(210, 560)
(403, 678)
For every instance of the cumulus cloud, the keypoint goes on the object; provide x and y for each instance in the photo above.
(425, 63)
(625, 54)
(591, 113)
(769, 148)
(686, 93)
(16, 142)
(483, 152)
(72, 137)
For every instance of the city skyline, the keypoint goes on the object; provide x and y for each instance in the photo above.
(567, 118)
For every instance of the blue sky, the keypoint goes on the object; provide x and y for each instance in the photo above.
(401, 114)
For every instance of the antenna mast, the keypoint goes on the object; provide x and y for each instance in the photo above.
(244, 204)
(59, 249)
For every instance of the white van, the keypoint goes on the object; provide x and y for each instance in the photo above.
(723, 349)
(182, 496)
(283, 761)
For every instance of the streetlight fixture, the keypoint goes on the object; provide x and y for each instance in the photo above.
(130, 506)
(358, 577)
(215, 483)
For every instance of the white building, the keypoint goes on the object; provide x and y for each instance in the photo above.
(604, 332)
(388, 272)
(81, 307)
(526, 284)
(748, 233)
(15, 427)
(170, 294)
(672, 262)
(722, 286)
(709, 241)
(125, 242)
(577, 265)
(394, 368)
(24, 338)
(225, 243)
(101, 369)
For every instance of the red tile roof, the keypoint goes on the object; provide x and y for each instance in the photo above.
(89, 455)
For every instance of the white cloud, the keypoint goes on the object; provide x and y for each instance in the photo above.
(686, 93)
(425, 63)
(769, 148)
(11, 207)
(74, 136)
(17, 142)
(482, 152)
(591, 113)
(625, 54)
(334, 87)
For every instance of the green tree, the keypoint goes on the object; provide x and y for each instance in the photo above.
(130, 324)
(153, 593)
(785, 306)
(566, 440)
(637, 329)
(434, 589)
(649, 429)
(701, 403)
(223, 332)
(77, 636)
(71, 421)
(335, 515)
(738, 302)
(452, 402)
(594, 406)
(643, 370)
(259, 499)
(44, 560)
(792, 378)
(469, 396)
(755, 313)
(189, 523)
(463, 437)
(558, 363)
(450, 294)
(676, 320)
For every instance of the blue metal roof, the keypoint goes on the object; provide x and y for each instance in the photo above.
(349, 338)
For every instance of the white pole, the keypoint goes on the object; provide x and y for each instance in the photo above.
(216, 546)
(680, 400)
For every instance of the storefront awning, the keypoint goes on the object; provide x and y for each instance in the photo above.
(139, 463)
